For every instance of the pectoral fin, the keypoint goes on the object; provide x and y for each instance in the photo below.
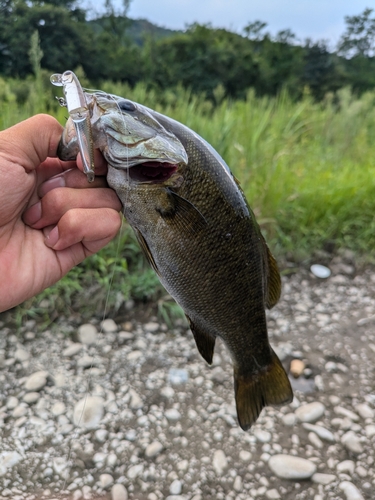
(205, 342)
(273, 280)
(146, 250)
(178, 212)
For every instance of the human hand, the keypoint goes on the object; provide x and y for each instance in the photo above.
(49, 220)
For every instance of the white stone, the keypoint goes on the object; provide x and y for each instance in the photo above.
(310, 412)
(135, 471)
(273, 494)
(347, 466)
(153, 449)
(19, 411)
(7, 460)
(245, 456)
(346, 413)
(21, 355)
(108, 325)
(176, 487)
(324, 479)
(61, 467)
(72, 350)
(58, 408)
(151, 327)
(31, 397)
(320, 431)
(291, 467)
(172, 414)
(36, 381)
(237, 484)
(136, 402)
(289, 419)
(101, 435)
(88, 412)
(106, 480)
(365, 411)
(320, 271)
(119, 492)
(370, 430)
(219, 462)
(361, 471)
(351, 441)
(350, 491)
(315, 440)
(88, 334)
(86, 362)
(262, 436)
(12, 403)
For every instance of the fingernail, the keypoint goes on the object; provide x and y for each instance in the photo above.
(33, 214)
(52, 237)
(53, 183)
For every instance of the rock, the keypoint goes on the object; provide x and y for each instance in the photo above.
(86, 362)
(289, 419)
(88, 334)
(320, 271)
(151, 327)
(219, 462)
(350, 491)
(119, 492)
(88, 412)
(61, 466)
(296, 367)
(346, 413)
(365, 411)
(262, 436)
(176, 487)
(108, 325)
(237, 484)
(172, 414)
(19, 411)
(310, 412)
(273, 494)
(320, 431)
(36, 381)
(72, 350)
(347, 466)
(315, 440)
(21, 355)
(351, 441)
(12, 403)
(324, 479)
(245, 456)
(135, 471)
(7, 460)
(136, 402)
(153, 449)
(101, 435)
(31, 397)
(177, 376)
(370, 430)
(361, 471)
(106, 480)
(58, 409)
(291, 467)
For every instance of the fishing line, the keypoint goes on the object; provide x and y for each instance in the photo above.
(88, 376)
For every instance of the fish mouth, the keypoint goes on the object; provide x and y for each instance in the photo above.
(152, 172)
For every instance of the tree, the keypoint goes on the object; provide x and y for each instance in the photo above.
(359, 37)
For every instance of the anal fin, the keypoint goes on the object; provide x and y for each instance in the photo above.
(205, 342)
(268, 386)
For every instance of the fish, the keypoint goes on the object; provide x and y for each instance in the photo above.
(199, 234)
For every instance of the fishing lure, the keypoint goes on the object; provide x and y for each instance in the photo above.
(75, 101)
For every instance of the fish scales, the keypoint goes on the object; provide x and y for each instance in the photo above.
(201, 237)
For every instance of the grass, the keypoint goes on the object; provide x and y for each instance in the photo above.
(307, 169)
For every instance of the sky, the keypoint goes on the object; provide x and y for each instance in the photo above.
(315, 19)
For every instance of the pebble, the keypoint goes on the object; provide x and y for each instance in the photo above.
(36, 381)
(88, 334)
(273, 494)
(289, 419)
(322, 432)
(370, 430)
(88, 412)
(19, 411)
(315, 440)
(219, 462)
(245, 456)
(119, 492)
(324, 479)
(12, 403)
(58, 408)
(365, 411)
(72, 350)
(135, 471)
(350, 491)
(172, 414)
(108, 325)
(310, 412)
(346, 466)
(8, 459)
(296, 367)
(151, 327)
(136, 402)
(262, 436)
(351, 441)
(86, 362)
(106, 480)
(291, 467)
(346, 413)
(31, 397)
(153, 449)
(176, 487)
(21, 355)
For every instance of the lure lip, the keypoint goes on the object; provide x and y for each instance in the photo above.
(78, 109)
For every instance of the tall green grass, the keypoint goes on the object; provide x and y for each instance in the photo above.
(307, 168)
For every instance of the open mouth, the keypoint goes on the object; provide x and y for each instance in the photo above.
(152, 171)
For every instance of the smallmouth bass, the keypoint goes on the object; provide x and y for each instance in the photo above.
(199, 234)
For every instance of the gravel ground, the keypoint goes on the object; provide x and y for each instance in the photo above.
(126, 408)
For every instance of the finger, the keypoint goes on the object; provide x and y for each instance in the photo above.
(73, 178)
(59, 201)
(31, 141)
(100, 163)
(80, 233)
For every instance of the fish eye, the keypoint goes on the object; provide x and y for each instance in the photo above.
(126, 105)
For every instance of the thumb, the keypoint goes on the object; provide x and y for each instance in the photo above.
(31, 141)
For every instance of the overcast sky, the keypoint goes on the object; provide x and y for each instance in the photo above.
(316, 19)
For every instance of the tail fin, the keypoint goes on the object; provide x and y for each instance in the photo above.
(269, 386)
